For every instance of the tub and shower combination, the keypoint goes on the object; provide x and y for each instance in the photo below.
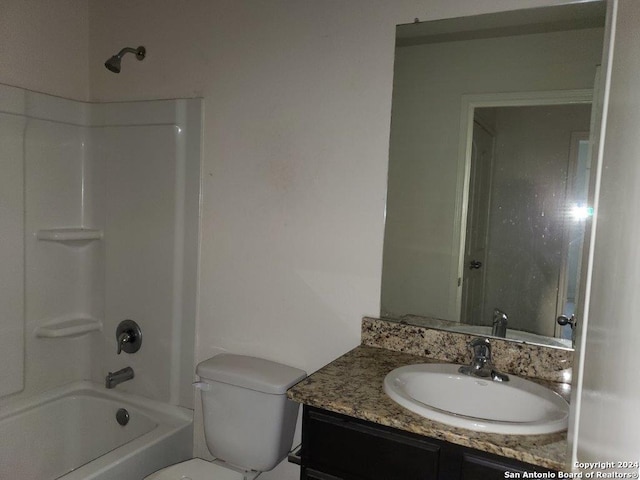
(72, 433)
(106, 197)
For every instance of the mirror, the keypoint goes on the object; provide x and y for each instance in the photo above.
(487, 200)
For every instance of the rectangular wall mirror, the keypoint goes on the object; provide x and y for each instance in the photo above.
(489, 193)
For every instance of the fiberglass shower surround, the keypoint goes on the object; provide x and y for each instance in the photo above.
(99, 208)
(110, 197)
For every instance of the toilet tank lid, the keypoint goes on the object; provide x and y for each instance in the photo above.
(250, 372)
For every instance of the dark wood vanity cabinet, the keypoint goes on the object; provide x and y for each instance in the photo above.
(339, 447)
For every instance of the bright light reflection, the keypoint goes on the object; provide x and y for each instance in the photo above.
(580, 212)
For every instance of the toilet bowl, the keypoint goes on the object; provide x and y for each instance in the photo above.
(248, 420)
(198, 469)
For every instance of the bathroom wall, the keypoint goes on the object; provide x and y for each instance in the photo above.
(297, 110)
(420, 269)
(296, 126)
(297, 102)
(45, 46)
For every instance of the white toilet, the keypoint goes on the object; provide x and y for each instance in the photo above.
(248, 420)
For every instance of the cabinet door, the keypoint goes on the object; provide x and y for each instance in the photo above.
(480, 468)
(311, 474)
(475, 465)
(351, 449)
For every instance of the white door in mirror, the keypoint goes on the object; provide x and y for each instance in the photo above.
(438, 392)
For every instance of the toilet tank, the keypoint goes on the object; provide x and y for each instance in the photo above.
(248, 419)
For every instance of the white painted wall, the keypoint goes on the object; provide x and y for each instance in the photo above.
(420, 269)
(45, 46)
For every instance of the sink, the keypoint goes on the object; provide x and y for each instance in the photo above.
(438, 392)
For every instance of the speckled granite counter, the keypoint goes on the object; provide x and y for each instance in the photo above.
(352, 385)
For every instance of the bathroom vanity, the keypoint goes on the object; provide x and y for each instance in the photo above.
(343, 447)
(352, 430)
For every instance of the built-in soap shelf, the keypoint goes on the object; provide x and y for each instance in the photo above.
(68, 327)
(69, 235)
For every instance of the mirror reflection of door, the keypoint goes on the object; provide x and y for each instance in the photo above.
(578, 213)
(477, 223)
(524, 194)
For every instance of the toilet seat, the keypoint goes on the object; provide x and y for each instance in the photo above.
(198, 469)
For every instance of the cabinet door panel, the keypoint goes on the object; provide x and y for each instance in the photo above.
(478, 468)
(352, 449)
(311, 474)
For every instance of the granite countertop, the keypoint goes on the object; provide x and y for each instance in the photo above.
(352, 385)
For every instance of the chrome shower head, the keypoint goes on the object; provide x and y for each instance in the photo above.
(113, 64)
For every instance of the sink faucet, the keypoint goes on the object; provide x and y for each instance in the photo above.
(114, 378)
(500, 321)
(481, 365)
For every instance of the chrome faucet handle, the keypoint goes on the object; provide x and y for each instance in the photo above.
(122, 339)
(499, 316)
(481, 365)
(128, 337)
(480, 350)
(500, 321)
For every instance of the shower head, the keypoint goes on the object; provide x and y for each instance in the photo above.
(113, 64)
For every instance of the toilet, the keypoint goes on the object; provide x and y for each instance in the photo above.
(248, 420)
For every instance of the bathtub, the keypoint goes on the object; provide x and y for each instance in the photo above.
(71, 433)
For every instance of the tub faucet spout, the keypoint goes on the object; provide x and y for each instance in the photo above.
(114, 378)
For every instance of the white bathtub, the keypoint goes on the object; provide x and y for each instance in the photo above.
(71, 433)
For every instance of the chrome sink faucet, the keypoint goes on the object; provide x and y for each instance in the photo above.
(500, 321)
(481, 365)
(115, 378)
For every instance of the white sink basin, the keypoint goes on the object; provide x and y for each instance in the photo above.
(438, 392)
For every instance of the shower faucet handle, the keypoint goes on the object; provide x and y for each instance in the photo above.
(122, 339)
(128, 337)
